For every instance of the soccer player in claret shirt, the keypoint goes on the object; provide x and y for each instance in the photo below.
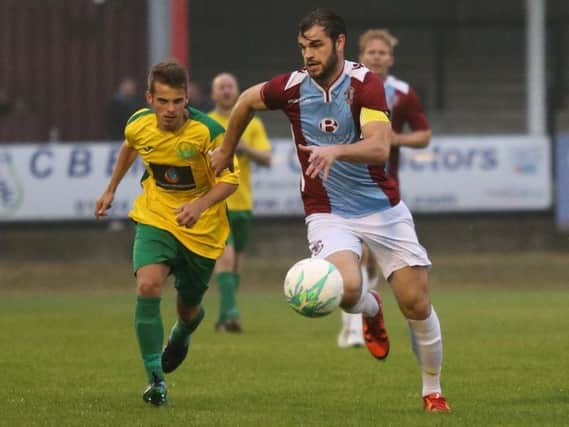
(254, 147)
(340, 124)
(181, 216)
(376, 53)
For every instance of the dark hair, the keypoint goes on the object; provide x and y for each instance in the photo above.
(169, 72)
(333, 24)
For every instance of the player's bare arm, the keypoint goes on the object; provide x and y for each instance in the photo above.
(125, 159)
(261, 157)
(189, 213)
(372, 149)
(249, 102)
(415, 139)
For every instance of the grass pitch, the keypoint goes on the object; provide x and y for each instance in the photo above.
(69, 356)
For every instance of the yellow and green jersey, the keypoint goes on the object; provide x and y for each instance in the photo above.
(255, 137)
(178, 171)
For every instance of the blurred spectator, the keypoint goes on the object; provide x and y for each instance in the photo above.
(5, 103)
(123, 103)
(197, 98)
(19, 120)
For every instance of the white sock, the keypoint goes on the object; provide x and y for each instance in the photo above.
(427, 344)
(352, 322)
(367, 305)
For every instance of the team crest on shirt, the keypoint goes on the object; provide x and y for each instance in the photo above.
(328, 124)
(315, 247)
(186, 150)
(349, 95)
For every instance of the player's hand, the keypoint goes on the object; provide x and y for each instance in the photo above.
(103, 203)
(321, 159)
(189, 213)
(220, 160)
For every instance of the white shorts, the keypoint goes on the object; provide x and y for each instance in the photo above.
(390, 235)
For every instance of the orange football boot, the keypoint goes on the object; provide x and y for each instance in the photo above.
(435, 402)
(375, 334)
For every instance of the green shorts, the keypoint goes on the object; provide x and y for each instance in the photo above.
(191, 271)
(240, 223)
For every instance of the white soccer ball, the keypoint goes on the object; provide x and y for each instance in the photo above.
(313, 287)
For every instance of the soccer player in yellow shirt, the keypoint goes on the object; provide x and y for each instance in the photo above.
(253, 147)
(181, 216)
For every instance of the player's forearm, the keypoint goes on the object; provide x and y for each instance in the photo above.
(124, 161)
(217, 193)
(364, 151)
(415, 139)
(373, 149)
(263, 158)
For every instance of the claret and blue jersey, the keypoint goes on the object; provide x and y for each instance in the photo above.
(320, 117)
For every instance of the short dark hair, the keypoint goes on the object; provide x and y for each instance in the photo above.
(169, 72)
(333, 24)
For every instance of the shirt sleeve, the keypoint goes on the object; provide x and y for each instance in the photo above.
(372, 95)
(129, 136)
(415, 114)
(273, 92)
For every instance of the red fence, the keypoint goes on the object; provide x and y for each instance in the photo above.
(60, 62)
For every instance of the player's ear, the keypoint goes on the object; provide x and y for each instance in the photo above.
(148, 96)
(341, 42)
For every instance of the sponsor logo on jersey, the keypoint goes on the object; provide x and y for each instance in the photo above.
(171, 176)
(328, 124)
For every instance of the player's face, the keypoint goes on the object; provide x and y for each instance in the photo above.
(320, 54)
(224, 91)
(377, 57)
(169, 105)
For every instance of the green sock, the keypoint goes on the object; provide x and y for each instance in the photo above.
(181, 331)
(227, 304)
(150, 334)
(233, 312)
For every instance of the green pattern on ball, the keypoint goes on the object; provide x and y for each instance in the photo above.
(306, 301)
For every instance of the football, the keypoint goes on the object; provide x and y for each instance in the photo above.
(313, 287)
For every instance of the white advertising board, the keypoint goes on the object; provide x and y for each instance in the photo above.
(478, 173)
(61, 182)
(454, 174)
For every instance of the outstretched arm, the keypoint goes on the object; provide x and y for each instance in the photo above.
(248, 102)
(126, 157)
(261, 157)
(414, 139)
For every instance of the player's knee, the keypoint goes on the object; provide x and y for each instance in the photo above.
(188, 313)
(148, 287)
(417, 308)
(352, 291)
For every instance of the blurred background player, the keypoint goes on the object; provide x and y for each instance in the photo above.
(121, 106)
(376, 52)
(339, 119)
(181, 216)
(255, 147)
